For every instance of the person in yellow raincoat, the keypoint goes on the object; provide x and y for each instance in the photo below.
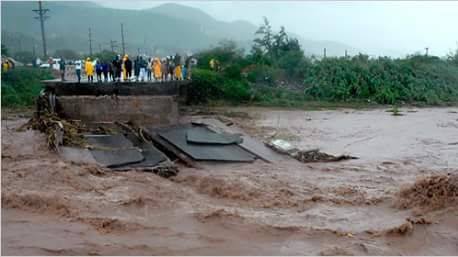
(157, 69)
(89, 68)
(178, 74)
(5, 65)
(123, 67)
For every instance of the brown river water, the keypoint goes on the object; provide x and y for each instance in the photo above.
(53, 207)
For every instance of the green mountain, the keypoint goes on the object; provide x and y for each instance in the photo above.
(162, 30)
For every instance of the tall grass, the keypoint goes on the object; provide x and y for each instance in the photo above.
(387, 81)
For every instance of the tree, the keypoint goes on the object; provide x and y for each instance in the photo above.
(66, 54)
(279, 41)
(4, 50)
(272, 46)
(265, 42)
(279, 51)
(257, 56)
(453, 56)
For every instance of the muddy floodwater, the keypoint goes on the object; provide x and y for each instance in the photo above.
(53, 207)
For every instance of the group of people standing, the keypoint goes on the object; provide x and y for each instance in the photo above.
(152, 69)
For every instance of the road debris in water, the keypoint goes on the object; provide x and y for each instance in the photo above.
(282, 146)
(305, 156)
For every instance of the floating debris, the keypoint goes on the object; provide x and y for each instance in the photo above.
(166, 171)
(316, 156)
(306, 156)
(58, 131)
(282, 146)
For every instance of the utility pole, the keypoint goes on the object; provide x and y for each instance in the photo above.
(324, 52)
(122, 38)
(42, 17)
(90, 42)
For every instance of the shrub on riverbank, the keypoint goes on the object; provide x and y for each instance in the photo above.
(21, 86)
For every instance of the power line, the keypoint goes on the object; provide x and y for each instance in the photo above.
(42, 17)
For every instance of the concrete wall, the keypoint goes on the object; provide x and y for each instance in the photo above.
(70, 88)
(145, 110)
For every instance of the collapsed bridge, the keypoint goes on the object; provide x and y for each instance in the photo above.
(137, 125)
(145, 103)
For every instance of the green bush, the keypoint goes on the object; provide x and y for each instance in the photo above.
(262, 75)
(210, 85)
(21, 86)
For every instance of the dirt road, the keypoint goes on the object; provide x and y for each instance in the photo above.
(50, 207)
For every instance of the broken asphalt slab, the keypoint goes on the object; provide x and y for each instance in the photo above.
(249, 143)
(202, 135)
(77, 155)
(204, 152)
(152, 157)
(108, 141)
(112, 158)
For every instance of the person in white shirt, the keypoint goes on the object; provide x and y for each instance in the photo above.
(38, 62)
(78, 65)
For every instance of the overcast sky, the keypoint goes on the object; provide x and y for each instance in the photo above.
(375, 27)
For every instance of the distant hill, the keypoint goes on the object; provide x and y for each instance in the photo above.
(162, 30)
(238, 30)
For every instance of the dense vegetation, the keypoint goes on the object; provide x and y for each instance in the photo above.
(277, 72)
(21, 86)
